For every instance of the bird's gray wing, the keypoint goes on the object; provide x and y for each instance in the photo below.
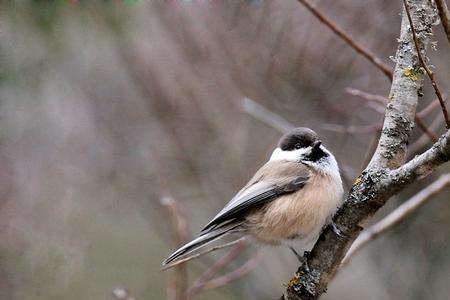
(255, 195)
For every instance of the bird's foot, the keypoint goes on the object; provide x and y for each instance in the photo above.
(303, 259)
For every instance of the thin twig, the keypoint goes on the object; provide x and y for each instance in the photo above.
(349, 40)
(197, 286)
(427, 69)
(429, 108)
(352, 128)
(263, 114)
(431, 135)
(383, 100)
(204, 252)
(423, 140)
(367, 96)
(371, 149)
(444, 14)
(376, 107)
(233, 275)
(398, 215)
(177, 279)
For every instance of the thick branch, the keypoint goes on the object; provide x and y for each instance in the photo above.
(398, 215)
(380, 180)
(400, 111)
(425, 163)
(427, 69)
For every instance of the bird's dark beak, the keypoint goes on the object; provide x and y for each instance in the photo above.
(316, 144)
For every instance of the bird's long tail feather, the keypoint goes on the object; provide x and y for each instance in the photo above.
(200, 242)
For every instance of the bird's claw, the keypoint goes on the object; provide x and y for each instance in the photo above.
(303, 259)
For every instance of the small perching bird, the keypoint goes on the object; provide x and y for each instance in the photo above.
(287, 201)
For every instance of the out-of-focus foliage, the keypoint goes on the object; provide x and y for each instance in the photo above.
(105, 106)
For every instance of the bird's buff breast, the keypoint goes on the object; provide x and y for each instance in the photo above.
(297, 216)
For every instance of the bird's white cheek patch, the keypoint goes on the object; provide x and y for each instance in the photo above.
(293, 155)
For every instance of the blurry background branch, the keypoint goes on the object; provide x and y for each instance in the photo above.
(261, 113)
(201, 283)
(177, 277)
(359, 48)
(241, 271)
(177, 288)
(383, 101)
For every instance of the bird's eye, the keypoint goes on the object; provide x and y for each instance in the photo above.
(298, 146)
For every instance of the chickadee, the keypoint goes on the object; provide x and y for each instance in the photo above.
(289, 199)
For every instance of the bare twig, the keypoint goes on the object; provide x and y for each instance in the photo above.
(444, 14)
(376, 107)
(198, 285)
(398, 215)
(177, 279)
(349, 40)
(423, 140)
(352, 128)
(383, 101)
(427, 69)
(233, 275)
(431, 135)
(204, 252)
(371, 149)
(367, 96)
(263, 114)
(429, 108)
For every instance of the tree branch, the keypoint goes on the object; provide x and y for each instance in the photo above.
(233, 275)
(401, 109)
(377, 62)
(177, 279)
(398, 215)
(199, 284)
(383, 101)
(264, 115)
(427, 69)
(367, 96)
(423, 140)
(380, 180)
(444, 14)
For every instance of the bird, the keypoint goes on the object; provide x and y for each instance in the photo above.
(287, 202)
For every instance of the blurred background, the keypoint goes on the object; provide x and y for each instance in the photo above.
(107, 107)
